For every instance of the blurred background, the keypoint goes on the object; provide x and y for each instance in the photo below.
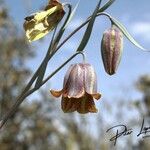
(39, 123)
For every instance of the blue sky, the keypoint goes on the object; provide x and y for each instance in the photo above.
(133, 14)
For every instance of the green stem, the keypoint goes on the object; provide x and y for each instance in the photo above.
(89, 28)
(60, 67)
(78, 28)
(26, 92)
(108, 4)
(25, 95)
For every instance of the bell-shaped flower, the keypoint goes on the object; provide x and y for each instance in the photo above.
(39, 24)
(79, 89)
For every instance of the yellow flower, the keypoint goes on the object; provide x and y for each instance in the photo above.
(79, 89)
(39, 24)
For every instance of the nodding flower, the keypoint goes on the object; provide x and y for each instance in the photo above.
(79, 89)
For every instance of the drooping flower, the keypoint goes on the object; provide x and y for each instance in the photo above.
(79, 89)
(39, 24)
(111, 49)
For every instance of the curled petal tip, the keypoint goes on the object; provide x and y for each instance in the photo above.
(56, 93)
(97, 96)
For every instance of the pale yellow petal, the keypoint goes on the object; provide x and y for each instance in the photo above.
(37, 32)
(38, 27)
(41, 15)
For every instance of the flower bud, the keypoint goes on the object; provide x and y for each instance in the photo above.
(111, 49)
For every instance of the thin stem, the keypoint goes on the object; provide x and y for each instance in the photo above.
(108, 4)
(69, 13)
(52, 40)
(84, 57)
(22, 97)
(78, 28)
(60, 67)
(45, 61)
(62, 29)
(26, 92)
(52, 47)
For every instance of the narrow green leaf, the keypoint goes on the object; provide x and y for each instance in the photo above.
(41, 74)
(110, 2)
(126, 33)
(68, 15)
(89, 28)
(71, 15)
(67, 21)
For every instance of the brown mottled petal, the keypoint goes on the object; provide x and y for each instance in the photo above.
(91, 105)
(86, 104)
(56, 93)
(29, 25)
(82, 108)
(90, 79)
(92, 108)
(74, 87)
(54, 18)
(68, 105)
(53, 3)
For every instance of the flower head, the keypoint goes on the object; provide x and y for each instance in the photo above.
(39, 24)
(79, 89)
(111, 49)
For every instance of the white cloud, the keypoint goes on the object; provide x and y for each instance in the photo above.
(137, 28)
(141, 29)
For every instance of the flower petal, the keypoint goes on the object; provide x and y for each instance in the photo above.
(67, 75)
(37, 32)
(74, 85)
(39, 24)
(86, 104)
(68, 104)
(56, 93)
(41, 15)
(90, 79)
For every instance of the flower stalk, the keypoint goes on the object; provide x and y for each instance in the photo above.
(27, 91)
